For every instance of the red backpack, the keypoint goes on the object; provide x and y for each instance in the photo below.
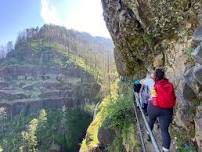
(165, 94)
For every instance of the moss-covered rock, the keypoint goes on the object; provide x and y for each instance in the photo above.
(138, 28)
(152, 33)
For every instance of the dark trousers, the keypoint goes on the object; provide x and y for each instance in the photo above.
(165, 118)
(145, 105)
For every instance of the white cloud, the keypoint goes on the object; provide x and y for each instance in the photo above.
(48, 13)
(86, 16)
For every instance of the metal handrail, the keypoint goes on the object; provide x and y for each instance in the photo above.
(153, 140)
(140, 132)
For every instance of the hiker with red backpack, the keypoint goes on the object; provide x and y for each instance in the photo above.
(161, 106)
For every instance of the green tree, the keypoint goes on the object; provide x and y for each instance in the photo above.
(42, 118)
(42, 129)
(77, 121)
(1, 149)
(30, 137)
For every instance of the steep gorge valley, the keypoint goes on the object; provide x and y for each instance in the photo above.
(52, 80)
(50, 83)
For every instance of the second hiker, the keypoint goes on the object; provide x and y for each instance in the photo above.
(161, 106)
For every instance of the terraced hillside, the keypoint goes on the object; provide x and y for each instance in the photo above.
(46, 75)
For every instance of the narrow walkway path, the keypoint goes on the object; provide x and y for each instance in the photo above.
(149, 146)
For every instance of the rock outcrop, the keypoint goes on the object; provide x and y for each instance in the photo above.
(143, 29)
(198, 124)
(150, 34)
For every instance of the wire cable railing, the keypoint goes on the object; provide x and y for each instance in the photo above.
(151, 135)
(140, 130)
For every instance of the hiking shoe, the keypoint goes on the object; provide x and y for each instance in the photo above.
(165, 149)
(148, 137)
(157, 124)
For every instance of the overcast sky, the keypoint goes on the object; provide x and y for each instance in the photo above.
(81, 15)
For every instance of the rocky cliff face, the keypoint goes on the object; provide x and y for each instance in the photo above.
(149, 34)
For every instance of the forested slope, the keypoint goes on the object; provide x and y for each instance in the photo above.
(50, 82)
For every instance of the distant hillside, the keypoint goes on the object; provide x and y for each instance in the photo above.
(51, 75)
(53, 54)
(71, 39)
(32, 43)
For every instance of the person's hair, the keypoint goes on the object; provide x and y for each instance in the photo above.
(159, 74)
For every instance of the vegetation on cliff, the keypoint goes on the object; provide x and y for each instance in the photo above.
(62, 129)
(115, 113)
